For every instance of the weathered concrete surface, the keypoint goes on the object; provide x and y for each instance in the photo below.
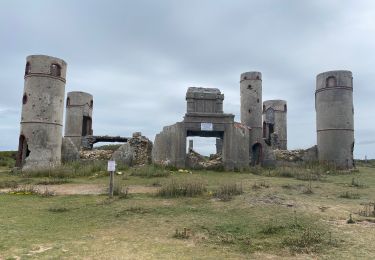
(137, 151)
(69, 151)
(334, 117)
(42, 112)
(275, 122)
(251, 104)
(204, 100)
(78, 118)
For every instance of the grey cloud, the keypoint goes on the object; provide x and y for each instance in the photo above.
(138, 57)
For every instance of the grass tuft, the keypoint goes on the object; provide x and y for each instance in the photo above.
(182, 188)
(226, 191)
(149, 171)
(349, 195)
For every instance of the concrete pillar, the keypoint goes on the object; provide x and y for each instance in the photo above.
(78, 118)
(334, 117)
(219, 145)
(251, 104)
(191, 145)
(275, 119)
(42, 112)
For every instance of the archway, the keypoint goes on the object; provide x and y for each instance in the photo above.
(256, 152)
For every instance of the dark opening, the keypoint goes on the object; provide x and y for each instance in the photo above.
(55, 70)
(331, 82)
(249, 111)
(264, 129)
(68, 101)
(249, 87)
(23, 151)
(270, 131)
(27, 68)
(86, 126)
(264, 108)
(257, 100)
(24, 99)
(285, 108)
(91, 103)
(256, 152)
(258, 77)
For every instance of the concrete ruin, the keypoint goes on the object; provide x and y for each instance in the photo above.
(334, 117)
(254, 141)
(136, 151)
(275, 123)
(204, 118)
(78, 118)
(43, 98)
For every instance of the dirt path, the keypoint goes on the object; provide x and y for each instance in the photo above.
(86, 189)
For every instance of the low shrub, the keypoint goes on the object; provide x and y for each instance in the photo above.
(182, 188)
(349, 195)
(69, 170)
(226, 191)
(149, 171)
(120, 190)
(308, 240)
(58, 209)
(184, 234)
(8, 184)
(54, 181)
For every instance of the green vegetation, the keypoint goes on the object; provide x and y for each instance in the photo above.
(8, 158)
(189, 187)
(226, 191)
(149, 171)
(180, 215)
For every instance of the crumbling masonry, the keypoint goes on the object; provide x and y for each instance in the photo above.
(239, 145)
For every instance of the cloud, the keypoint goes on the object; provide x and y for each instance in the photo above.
(139, 57)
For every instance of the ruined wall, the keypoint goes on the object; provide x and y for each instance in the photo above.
(42, 112)
(235, 150)
(78, 118)
(251, 104)
(275, 121)
(334, 117)
(170, 146)
(69, 151)
(137, 151)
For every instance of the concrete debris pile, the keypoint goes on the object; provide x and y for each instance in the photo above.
(137, 151)
(95, 154)
(299, 155)
(195, 160)
(289, 156)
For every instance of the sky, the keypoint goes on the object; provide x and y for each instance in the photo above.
(138, 58)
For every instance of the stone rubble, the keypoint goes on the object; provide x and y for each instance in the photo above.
(137, 151)
(195, 160)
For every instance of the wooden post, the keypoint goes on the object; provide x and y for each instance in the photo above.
(111, 180)
(111, 169)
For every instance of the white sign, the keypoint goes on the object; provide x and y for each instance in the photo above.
(207, 127)
(111, 166)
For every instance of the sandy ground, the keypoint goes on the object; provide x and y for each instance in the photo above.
(86, 189)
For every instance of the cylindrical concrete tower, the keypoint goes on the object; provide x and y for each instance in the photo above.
(251, 104)
(275, 122)
(334, 117)
(78, 118)
(42, 112)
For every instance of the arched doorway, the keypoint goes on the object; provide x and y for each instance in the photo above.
(23, 151)
(256, 152)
